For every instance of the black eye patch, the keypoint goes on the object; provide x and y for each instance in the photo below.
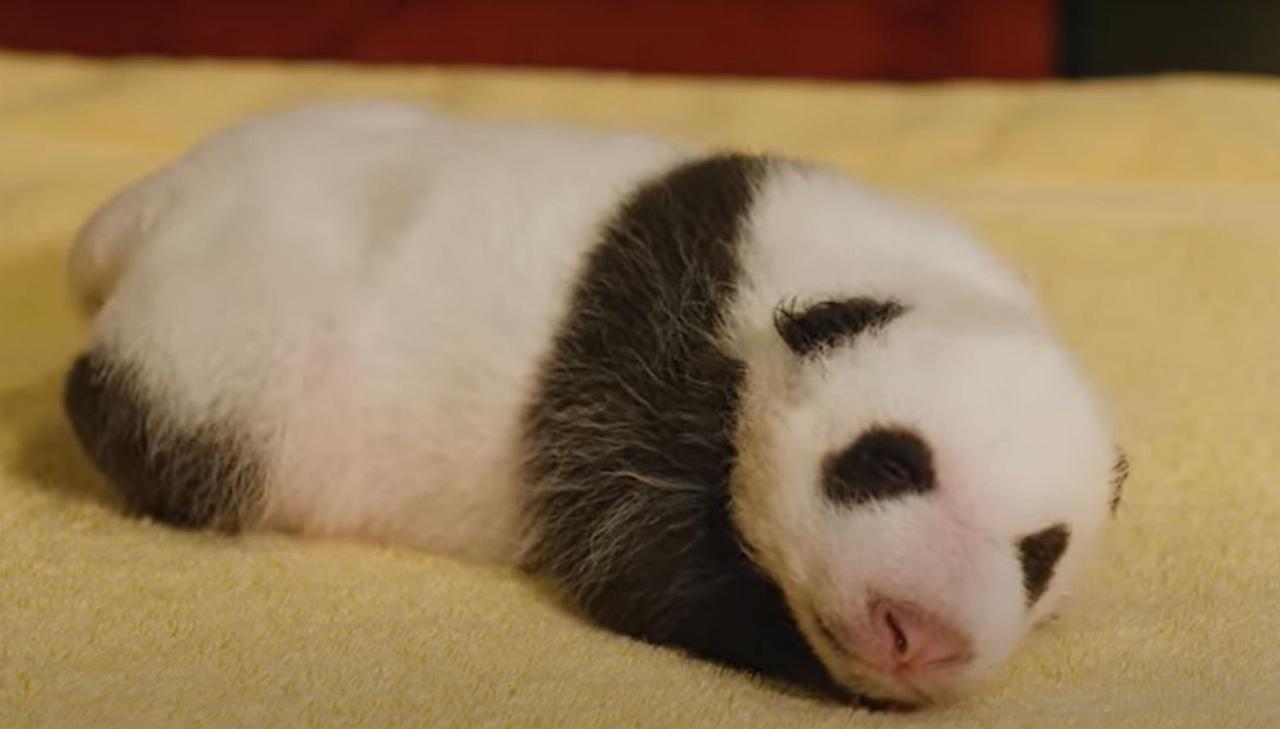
(1039, 554)
(832, 323)
(883, 463)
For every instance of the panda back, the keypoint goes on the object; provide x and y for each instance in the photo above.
(354, 299)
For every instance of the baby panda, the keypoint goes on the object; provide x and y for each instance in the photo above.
(729, 403)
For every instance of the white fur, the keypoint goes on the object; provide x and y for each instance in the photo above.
(370, 288)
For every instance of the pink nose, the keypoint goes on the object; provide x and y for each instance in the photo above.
(908, 639)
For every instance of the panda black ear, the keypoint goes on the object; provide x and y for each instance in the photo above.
(828, 324)
(1119, 474)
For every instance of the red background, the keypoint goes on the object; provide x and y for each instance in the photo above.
(889, 39)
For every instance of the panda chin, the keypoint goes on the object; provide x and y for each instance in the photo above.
(869, 691)
(877, 694)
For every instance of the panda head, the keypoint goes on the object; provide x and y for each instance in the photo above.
(923, 484)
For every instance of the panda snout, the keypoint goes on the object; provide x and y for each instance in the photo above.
(909, 640)
(902, 641)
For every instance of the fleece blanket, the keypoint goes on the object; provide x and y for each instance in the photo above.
(1146, 213)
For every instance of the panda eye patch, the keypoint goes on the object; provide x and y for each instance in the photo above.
(883, 463)
(1039, 554)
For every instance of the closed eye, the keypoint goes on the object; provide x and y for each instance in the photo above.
(1039, 554)
(828, 324)
(1119, 474)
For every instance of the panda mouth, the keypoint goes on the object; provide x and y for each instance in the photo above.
(867, 696)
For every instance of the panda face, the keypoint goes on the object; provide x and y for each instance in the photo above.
(923, 490)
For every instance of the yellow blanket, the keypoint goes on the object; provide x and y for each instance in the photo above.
(1147, 213)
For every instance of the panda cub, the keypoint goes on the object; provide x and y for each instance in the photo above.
(729, 403)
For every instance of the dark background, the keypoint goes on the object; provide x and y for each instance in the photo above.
(1113, 37)
(875, 39)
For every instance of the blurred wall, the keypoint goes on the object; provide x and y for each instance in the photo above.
(882, 39)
